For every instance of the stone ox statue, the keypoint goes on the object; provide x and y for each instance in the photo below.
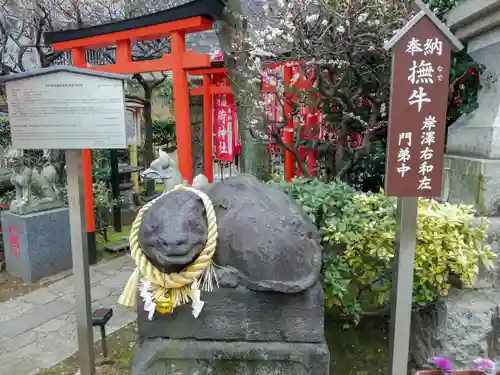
(266, 317)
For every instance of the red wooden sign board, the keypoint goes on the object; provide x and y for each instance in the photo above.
(419, 99)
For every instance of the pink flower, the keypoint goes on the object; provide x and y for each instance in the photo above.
(441, 363)
(485, 365)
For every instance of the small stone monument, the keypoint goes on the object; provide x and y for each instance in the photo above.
(37, 240)
(255, 305)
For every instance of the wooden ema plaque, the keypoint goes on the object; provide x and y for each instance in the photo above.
(417, 122)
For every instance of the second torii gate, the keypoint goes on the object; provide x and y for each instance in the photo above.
(208, 89)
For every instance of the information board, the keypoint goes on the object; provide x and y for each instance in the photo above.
(62, 110)
(131, 126)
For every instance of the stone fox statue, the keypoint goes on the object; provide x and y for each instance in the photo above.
(165, 169)
(23, 177)
(266, 241)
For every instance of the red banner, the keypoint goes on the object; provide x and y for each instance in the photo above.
(272, 114)
(225, 122)
(313, 117)
(270, 76)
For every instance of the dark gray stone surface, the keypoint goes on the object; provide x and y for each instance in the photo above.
(44, 243)
(190, 357)
(242, 314)
(265, 238)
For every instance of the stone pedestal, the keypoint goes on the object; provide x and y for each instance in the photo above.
(37, 244)
(239, 332)
(190, 357)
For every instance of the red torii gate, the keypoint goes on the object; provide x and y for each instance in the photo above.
(175, 23)
(208, 89)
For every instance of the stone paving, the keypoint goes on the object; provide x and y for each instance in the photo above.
(38, 330)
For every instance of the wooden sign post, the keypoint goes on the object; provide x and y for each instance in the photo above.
(415, 153)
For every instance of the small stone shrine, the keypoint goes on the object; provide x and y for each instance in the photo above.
(227, 283)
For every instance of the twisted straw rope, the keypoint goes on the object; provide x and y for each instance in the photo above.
(191, 273)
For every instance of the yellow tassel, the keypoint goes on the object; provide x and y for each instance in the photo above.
(180, 296)
(129, 295)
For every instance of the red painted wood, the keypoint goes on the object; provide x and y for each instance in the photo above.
(181, 108)
(288, 134)
(207, 129)
(214, 90)
(163, 30)
(79, 60)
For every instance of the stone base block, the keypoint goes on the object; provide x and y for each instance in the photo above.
(459, 327)
(472, 181)
(36, 206)
(242, 314)
(190, 357)
(37, 244)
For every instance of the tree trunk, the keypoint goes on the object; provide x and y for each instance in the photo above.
(232, 30)
(148, 134)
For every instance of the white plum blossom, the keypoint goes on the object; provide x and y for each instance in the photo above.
(362, 17)
(312, 18)
(344, 39)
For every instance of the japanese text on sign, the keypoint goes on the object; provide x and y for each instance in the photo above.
(225, 123)
(14, 241)
(422, 73)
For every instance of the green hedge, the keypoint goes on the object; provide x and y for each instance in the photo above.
(359, 231)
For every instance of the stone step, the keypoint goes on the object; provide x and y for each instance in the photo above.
(118, 246)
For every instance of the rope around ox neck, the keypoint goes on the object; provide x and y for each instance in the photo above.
(178, 284)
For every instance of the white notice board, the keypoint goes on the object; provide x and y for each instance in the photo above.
(63, 110)
(131, 126)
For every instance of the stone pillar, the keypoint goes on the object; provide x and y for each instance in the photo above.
(196, 109)
(460, 326)
(472, 167)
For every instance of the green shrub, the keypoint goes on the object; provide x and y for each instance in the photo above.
(4, 132)
(359, 231)
(164, 134)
